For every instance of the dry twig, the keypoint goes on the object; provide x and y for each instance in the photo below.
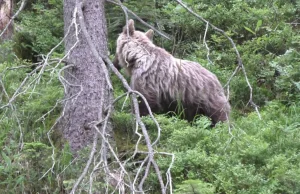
(14, 16)
(151, 152)
(126, 11)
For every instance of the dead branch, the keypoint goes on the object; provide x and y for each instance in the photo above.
(33, 78)
(14, 16)
(134, 99)
(89, 162)
(126, 11)
(64, 82)
(141, 124)
(13, 109)
(204, 41)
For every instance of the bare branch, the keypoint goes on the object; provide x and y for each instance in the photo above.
(134, 99)
(64, 82)
(147, 169)
(14, 16)
(19, 89)
(33, 79)
(13, 109)
(126, 10)
(204, 41)
(92, 153)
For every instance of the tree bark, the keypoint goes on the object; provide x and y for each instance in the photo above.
(87, 93)
(6, 10)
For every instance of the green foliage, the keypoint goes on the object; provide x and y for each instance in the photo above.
(16, 170)
(24, 126)
(6, 52)
(250, 156)
(287, 83)
(42, 29)
(262, 35)
(195, 187)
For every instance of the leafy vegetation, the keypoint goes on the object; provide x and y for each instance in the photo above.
(249, 156)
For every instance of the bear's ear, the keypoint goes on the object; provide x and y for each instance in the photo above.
(130, 27)
(150, 34)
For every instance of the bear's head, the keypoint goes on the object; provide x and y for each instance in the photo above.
(131, 46)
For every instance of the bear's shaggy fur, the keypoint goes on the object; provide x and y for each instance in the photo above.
(166, 82)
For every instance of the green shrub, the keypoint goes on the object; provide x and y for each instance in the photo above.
(252, 156)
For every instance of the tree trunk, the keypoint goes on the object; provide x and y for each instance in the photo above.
(6, 8)
(86, 92)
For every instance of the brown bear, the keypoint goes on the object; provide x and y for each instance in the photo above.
(166, 82)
